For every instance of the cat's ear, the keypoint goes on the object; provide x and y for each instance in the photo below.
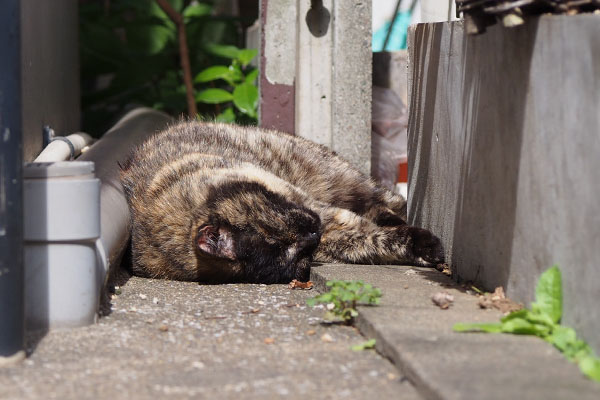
(217, 242)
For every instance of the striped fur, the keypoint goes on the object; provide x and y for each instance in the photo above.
(217, 203)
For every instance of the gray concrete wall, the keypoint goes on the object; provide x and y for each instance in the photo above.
(50, 70)
(316, 74)
(504, 154)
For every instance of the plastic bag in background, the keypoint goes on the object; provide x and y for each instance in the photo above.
(388, 138)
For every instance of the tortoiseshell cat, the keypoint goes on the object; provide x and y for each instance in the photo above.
(220, 203)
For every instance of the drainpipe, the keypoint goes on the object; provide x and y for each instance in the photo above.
(76, 225)
(114, 148)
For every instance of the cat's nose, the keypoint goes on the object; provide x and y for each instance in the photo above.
(312, 237)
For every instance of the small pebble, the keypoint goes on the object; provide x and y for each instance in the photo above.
(311, 332)
(269, 340)
(198, 364)
(163, 328)
(327, 338)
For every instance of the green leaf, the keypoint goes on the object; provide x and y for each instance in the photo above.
(348, 296)
(369, 344)
(245, 98)
(521, 326)
(562, 337)
(515, 314)
(540, 319)
(148, 36)
(530, 316)
(212, 73)
(251, 77)
(590, 366)
(227, 116)
(197, 10)
(325, 298)
(548, 294)
(490, 328)
(246, 55)
(236, 73)
(213, 96)
(565, 339)
(226, 51)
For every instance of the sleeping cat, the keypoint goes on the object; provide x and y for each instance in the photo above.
(223, 203)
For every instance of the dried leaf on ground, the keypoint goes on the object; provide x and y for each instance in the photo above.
(498, 301)
(442, 299)
(447, 271)
(444, 269)
(296, 284)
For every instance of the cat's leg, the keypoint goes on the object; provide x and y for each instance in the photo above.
(388, 210)
(350, 238)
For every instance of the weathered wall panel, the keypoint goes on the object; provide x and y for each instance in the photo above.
(504, 153)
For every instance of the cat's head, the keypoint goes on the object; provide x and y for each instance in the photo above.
(252, 234)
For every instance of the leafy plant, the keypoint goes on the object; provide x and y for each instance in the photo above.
(343, 297)
(241, 90)
(543, 320)
(368, 345)
(129, 55)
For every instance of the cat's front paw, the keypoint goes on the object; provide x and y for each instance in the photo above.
(427, 249)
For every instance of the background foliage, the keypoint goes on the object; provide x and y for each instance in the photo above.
(129, 57)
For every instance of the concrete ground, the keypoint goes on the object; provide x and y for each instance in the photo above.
(185, 340)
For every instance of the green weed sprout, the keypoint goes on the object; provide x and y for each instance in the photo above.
(343, 297)
(543, 320)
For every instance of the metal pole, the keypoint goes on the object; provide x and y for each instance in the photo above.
(11, 189)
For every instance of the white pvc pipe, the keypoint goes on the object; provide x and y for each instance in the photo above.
(59, 150)
(107, 153)
(61, 224)
(76, 226)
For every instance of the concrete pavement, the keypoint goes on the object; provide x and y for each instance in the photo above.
(184, 340)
